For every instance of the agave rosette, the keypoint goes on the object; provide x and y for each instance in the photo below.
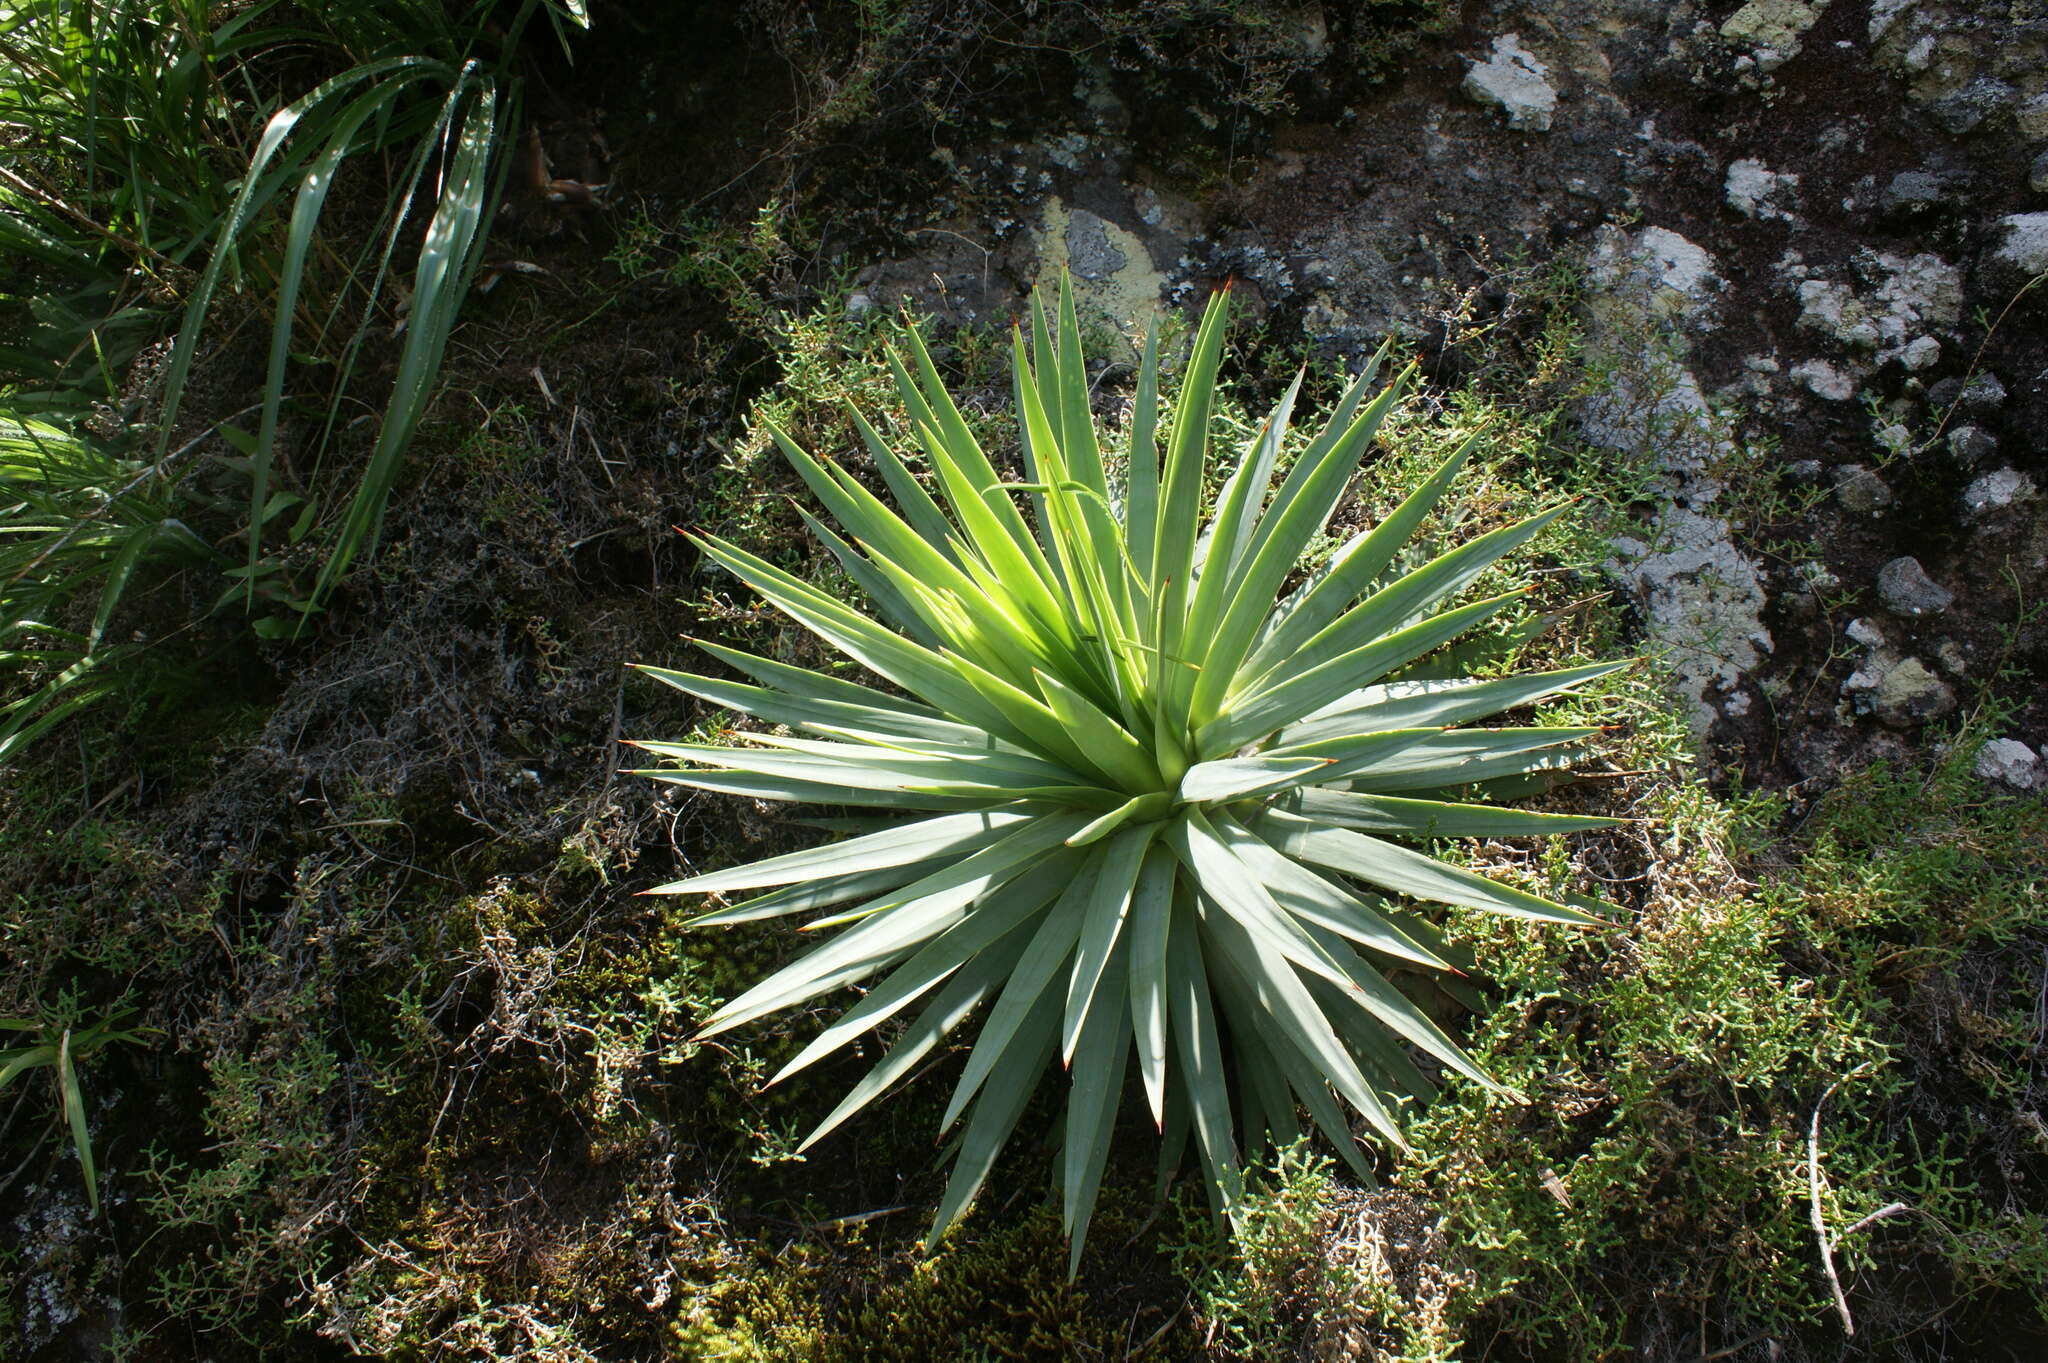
(1142, 805)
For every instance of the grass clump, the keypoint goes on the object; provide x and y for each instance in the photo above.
(170, 169)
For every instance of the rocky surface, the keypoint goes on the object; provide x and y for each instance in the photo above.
(1904, 587)
(2011, 763)
(1517, 81)
(1804, 231)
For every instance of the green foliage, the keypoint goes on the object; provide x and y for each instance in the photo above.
(1673, 1090)
(1314, 1268)
(132, 185)
(244, 1215)
(1145, 794)
(1252, 1285)
(75, 519)
(59, 1040)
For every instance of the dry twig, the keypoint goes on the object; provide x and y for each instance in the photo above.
(1821, 1237)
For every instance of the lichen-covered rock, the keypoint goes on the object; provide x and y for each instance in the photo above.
(1825, 380)
(1995, 491)
(1755, 191)
(1679, 276)
(1705, 600)
(1972, 444)
(1970, 107)
(1885, 13)
(1899, 692)
(1772, 29)
(2009, 762)
(1860, 491)
(1913, 295)
(2024, 249)
(1914, 193)
(2031, 118)
(1115, 280)
(1515, 81)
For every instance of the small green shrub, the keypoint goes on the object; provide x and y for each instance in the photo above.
(1141, 798)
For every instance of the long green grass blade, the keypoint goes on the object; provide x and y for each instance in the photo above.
(1326, 674)
(1403, 871)
(1396, 817)
(447, 262)
(1108, 904)
(72, 1099)
(1000, 1104)
(1100, 1056)
(1016, 903)
(956, 834)
(951, 1006)
(1151, 922)
(1420, 704)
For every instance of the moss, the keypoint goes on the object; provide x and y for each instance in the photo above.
(998, 1293)
(763, 1307)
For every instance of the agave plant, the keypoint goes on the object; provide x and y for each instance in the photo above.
(1140, 803)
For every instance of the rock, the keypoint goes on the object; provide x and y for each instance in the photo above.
(1704, 600)
(2032, 118)
(1885, 13)
(1115, 280)
(1860, 491)
(1922, 290)
(1649, 289)
(1971, 444)
(1091, 252)
(1655, 408)
(1865, 632)
(1952, 658)
(1912, 193)
(1996, 491)
(1918, 293)
(1905, 588)
(1756, 192)
(1677, 264)
(2037, 174)
(1920, 353)
(2025, 248)
(1833, 309)
(2009, 762)
(1825, 380)
(1899, 692)
(1772, 29)
(1516, 82)
(1966, 109)
(1982, 395)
